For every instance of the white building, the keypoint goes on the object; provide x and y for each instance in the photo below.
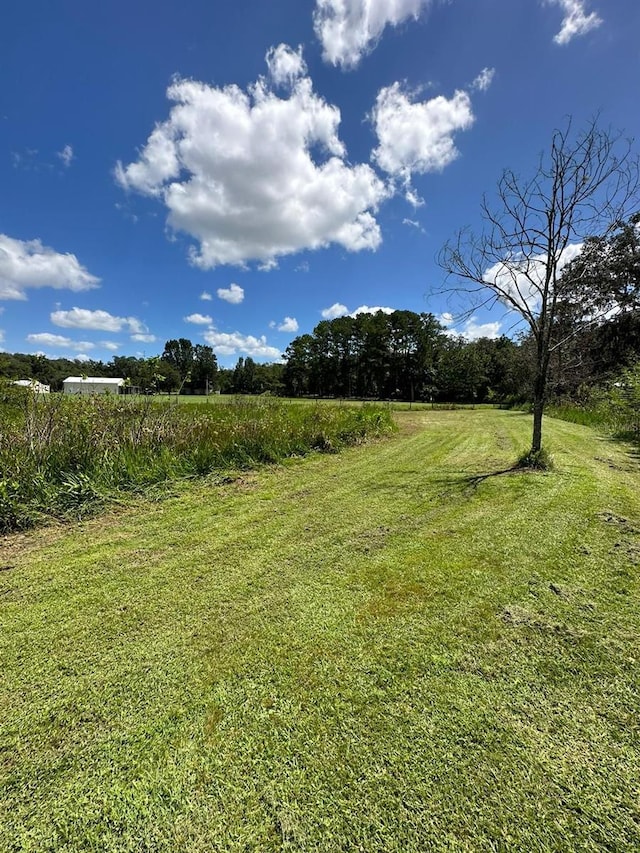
(34, 385)
(92, 385)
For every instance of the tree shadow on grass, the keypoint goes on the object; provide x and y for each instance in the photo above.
(463, 484)
(474, 480)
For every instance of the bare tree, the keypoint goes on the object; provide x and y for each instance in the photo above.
(584, 186)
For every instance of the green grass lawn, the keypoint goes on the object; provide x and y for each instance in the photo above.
(394, 405)
(355, 652)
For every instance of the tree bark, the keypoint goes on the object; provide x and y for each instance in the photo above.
(539, 396)
(536, 442)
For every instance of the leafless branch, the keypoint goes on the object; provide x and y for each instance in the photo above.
(584, 186)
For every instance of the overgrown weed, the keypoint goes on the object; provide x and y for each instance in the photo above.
(615, 409)
(65, 456)
(537, 460)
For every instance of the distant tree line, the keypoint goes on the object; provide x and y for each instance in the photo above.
(403, 356)
(249, 377)
(399, 356)
(410, 356)
(183, 366)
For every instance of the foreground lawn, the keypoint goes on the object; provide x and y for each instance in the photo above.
(359, 652)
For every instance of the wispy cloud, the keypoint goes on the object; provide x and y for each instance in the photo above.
(66, 155)
(484, 79)
(576, 21)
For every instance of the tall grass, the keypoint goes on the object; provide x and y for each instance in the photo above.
(67, 455)
(593, 414)
(615, 409)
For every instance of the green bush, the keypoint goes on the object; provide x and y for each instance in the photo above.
(537, 460)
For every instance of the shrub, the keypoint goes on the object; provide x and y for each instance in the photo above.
(536, 460)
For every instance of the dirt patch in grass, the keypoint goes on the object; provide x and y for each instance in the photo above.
(371, 540)
(13, 546)
(411, 423)
(520, 617)
(623, 524)
(397, 597)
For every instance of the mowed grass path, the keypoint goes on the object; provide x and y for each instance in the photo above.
(359, 652)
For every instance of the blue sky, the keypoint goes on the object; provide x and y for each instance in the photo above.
(233, 172)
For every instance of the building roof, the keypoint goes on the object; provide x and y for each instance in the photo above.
(29, 383)
(94, 380)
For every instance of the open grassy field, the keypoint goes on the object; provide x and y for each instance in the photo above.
(368, 651)
(353, 402)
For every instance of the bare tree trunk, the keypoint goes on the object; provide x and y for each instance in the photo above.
(538, 408)
(586, 184)
(539, 396)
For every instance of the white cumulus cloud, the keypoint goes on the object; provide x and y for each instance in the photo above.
(576, 21)
(207, 297)
(340, 310)
(48, 340)
(335, 310)
(143, 338)
(252, 176)
(112, 346)
(285, 64)
(289, 324)
(233, 294)
(26, 264)
(199, 319)
(367, 309)
(522, 281)
(234, 343)
(470, 329)
(83, 318)
(417, 136)
(349, 29)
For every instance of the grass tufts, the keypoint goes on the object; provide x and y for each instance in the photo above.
(536, 460)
